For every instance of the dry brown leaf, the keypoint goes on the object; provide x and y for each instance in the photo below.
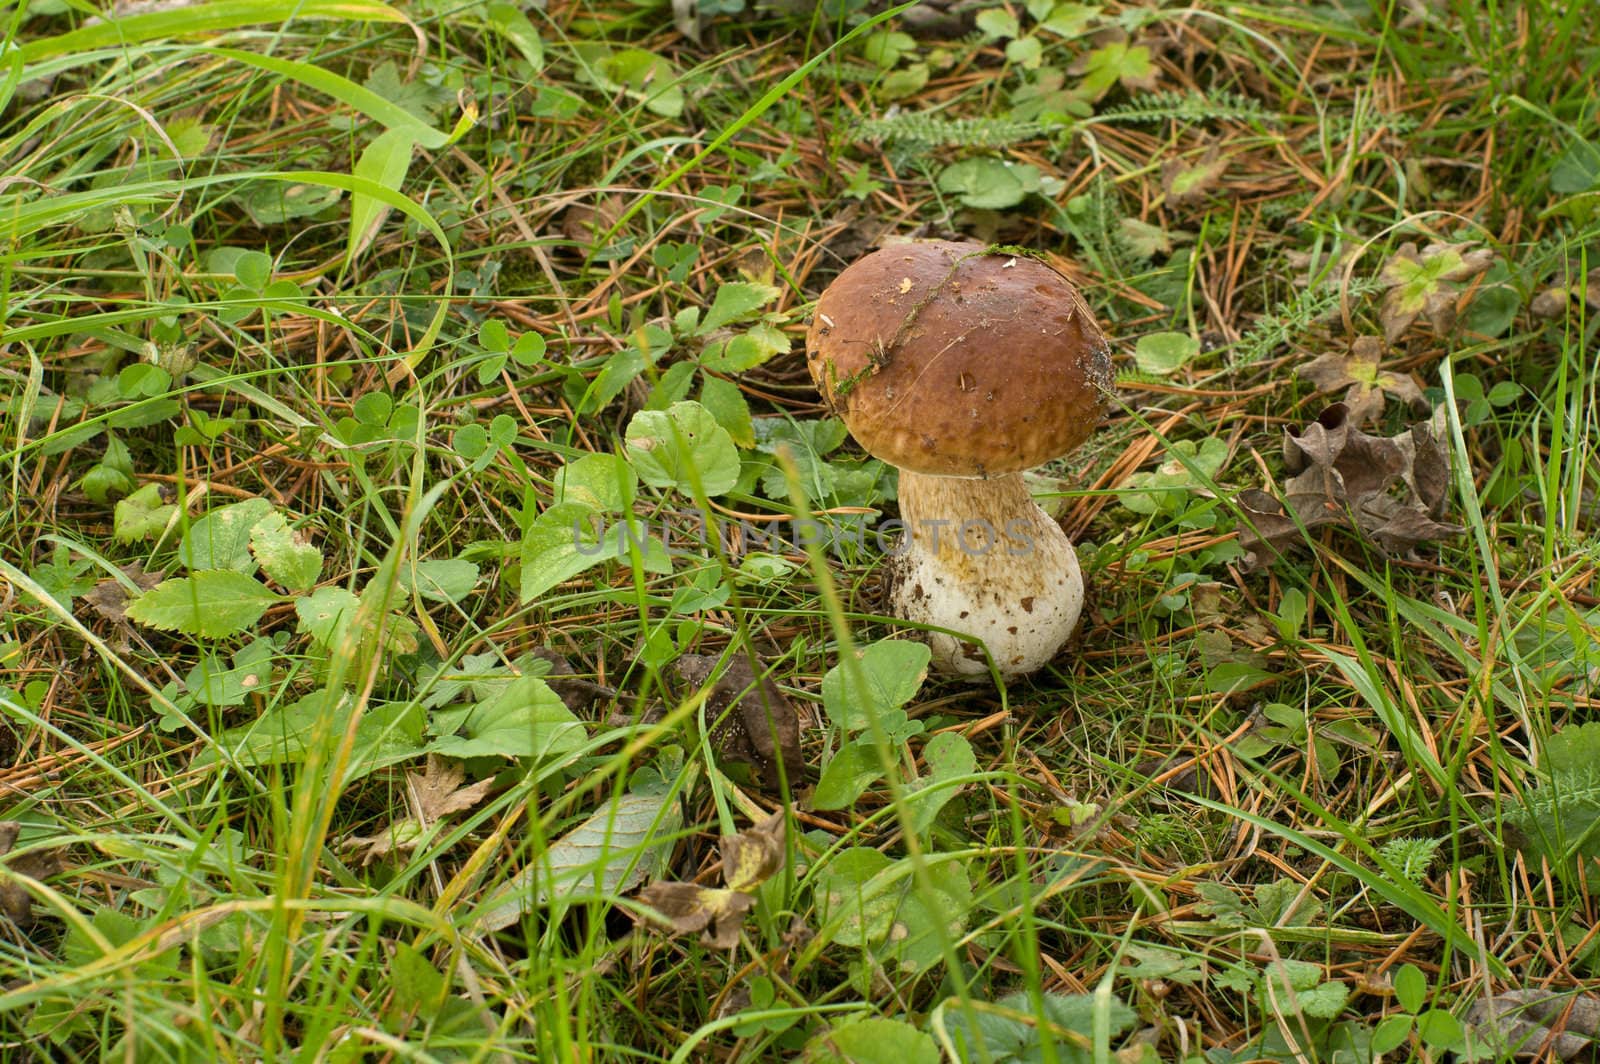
(1421, 283)
(751, 723)
(1392, 489)
(15, 900)
(1359, 372)
(110, 599)
(438, 794)
(1524, 1024)
(749, 859)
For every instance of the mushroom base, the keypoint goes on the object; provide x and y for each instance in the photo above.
(980, 558)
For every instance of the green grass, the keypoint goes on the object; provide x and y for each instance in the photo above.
(413, 283)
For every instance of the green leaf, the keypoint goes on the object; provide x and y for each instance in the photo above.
(283, 556)
(872, 1041)
(857, 907)
(669, 447)
(525, 719)
(996, 23)
(214, 684)
(736, 301)
(210, 604)
(1163, 354)
(384, 162)
(893, 671)
(1390, 1034)
(440, 579)
(948, 756)
(727, 404)
(1410, 988)
(509, 21)
(141, 515)
(387, 733)
(221, 539)
(1070, 20)
(323, 611)
(629, 840)
(641, 74)
(744, 351)
(602, 482)
(856, 766)
(1439, 1030)
(989, 184)
(1576, 170)
(558, 545)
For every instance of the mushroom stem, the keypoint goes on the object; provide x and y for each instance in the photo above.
(979, 557)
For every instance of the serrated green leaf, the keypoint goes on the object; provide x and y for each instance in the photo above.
(735, 302)
(323, 611)
(210, 604)
(283, 556)
(727, 404)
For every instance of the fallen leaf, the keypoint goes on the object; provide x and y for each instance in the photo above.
(1187, 183)
(15, 900)
(1393, 489)
(752, 723)
(749, 859)
(1359, 372)
(438, 794)
(109, 597)
(1524, 1024)
(1420, 283)
(1558, 300)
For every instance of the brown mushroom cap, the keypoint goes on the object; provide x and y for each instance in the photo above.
(949, 361)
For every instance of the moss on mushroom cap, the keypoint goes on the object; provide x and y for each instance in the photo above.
(949, 361)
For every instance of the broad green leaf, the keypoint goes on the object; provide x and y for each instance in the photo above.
(440, 579)
(872, 1041)
(641, 74)
(989, 184)
(209, 603)
(735, 302)
(559, 544)
(856, 766)
(213, 683)
(283, 556)
(1164, 353)
(525, 719)
(221, 539)
(668, 448)
(996, 23)
(1410, 988)
(893, 671)
(387, 733)
(948, 756)
(509, 21)
(931, 915)
(602, 482)
(628, 841)
(323, 611)
(857, 905)
(384, 162)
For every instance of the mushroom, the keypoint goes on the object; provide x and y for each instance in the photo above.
(962, 366)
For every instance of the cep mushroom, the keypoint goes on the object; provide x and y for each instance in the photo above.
(962, 367)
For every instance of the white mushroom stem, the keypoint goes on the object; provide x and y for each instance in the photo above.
(979, 557)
